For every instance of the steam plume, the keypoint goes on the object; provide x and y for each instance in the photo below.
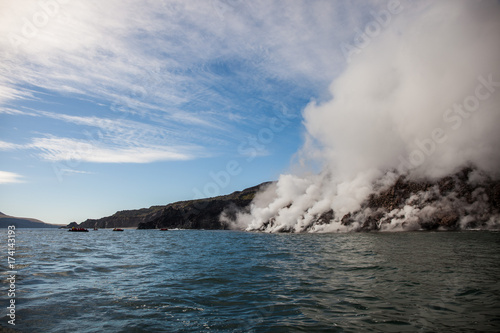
(422, 99)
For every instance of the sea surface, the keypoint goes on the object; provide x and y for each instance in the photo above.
(229, 281)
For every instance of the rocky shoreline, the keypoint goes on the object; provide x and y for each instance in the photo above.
(464, 200)
(190, 214)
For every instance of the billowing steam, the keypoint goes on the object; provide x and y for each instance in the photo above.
(422, 99)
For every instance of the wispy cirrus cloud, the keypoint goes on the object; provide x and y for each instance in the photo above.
(64, 149)
(112, 141)
(171, 73)
(100, 151)
(11, 111)
(168, 54)
(10, 177)
(67, 171)
(9, 146)
(67, 149)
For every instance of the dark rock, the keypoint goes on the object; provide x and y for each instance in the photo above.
(493, 192)
(397, 194)
(202, 213)
(373, 221)
(346, 219)
(448, 220)
(444, 219)
(323, 218)
(369, 224)
(191, 214)
(326, 217)
(122, 219)
(431, 224)
(463, 174)
(446, 185)
(457, 197)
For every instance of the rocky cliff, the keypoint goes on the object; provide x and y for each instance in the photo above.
(202, 213)
(191, 214)
(121, 219)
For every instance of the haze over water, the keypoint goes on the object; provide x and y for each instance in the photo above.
(228, 281)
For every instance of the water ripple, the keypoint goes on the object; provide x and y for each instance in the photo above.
(220, 281)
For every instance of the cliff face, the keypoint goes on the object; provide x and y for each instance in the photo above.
(121, 219)
(191, 214)
(203, 213)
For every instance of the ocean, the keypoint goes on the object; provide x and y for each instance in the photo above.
(229, 281)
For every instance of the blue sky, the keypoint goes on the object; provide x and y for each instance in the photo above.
(113, 105)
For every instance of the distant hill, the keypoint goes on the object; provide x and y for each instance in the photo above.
(121, 219)
(23, 222)
(191, 214)
(202, 213)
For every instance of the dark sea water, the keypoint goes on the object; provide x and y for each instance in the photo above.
(227, 281)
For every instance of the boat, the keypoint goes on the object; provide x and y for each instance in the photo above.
(164, 229)
(78, 229)
(95, 228)
(117, 229)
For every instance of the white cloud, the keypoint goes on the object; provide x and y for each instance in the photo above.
(115, 138)
(153, 57)
(10, 177)
(9, 146)
(11, 111)
(99, 150)
(156, 64)
(64, 149)
(67, 171)
(164, 65)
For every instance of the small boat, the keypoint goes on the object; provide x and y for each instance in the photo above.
(95, 228)
(164, 229)
(78, 229)
(117, 229)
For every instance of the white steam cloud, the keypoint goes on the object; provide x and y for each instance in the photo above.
(422, 98)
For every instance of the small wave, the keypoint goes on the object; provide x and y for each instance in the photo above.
(102, 269)
(128, 266)
(81, 270)
(85, 250)
(162, 252)
(109, 256)
(55, 274)
(365, 268)
(467, 292)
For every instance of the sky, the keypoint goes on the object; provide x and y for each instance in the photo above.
(114, 105)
